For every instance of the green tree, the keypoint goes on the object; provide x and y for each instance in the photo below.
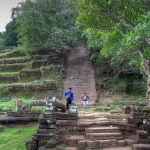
(2, 40)
(123, 27)
(47, 23)
(10, 34)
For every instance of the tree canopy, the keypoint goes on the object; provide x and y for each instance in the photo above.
(120, 27)
(47, 23)
(10, 35)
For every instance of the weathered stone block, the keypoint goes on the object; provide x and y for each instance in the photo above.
(44, 126)
(142, 134)
(38, 103)
(114, 142)
(72, 128)
(31, 145)
(126, 109)
(73, 140)
(82, 144)
(103, 136)
(43, 136)
(51, 143)
(121, 142)
(130, 141)
(42, 142)
(92, 144)
(104, 143)
(47, 121)
(41, 148)
(130, 120)
(141, 147)
(60, 139)
(46, 131)
(66, 122)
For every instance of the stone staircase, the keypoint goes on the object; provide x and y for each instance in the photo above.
(96, 134)
(80, 75)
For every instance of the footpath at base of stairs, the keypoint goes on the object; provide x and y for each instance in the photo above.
(80, 75)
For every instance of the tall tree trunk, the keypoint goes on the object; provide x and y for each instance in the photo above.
(145, 63)
(148, 91)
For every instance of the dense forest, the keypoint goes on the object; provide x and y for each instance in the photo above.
(116, 32)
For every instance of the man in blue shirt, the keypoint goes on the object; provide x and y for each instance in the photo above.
(69, 97)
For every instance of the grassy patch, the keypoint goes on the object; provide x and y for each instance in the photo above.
(6, 53)
(5, 105)
(9, 73)
(16, 58)
(30, 69)
(14, 138)
(3, 85)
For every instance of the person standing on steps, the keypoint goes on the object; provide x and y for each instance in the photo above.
(85, 99)
(69, 97)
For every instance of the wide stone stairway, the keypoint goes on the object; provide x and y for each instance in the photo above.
(80, 74)
(79, 129)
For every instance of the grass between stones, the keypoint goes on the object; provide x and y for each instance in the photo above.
(16, 58)
(5, 53)
(14, 138)
(8, 73)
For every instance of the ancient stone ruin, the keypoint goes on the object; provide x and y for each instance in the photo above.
(49, 134)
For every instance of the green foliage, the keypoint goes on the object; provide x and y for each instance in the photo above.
(122, 28)
(28, 64)
(24, 49)
(5, 53)
(10, 34)
(14, 138)
(47, 24)
(2, 42)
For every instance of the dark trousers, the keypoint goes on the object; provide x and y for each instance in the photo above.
(68, 102)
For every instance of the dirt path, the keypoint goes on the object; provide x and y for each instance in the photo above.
(80, 74)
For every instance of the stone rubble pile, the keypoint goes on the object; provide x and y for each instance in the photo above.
(48, 135)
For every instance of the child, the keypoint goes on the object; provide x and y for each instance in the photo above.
(85, 99)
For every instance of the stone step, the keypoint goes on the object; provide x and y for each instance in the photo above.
(67, 148)
(109, 143)
(93, 115)
(118, 148)
(92, 120)
(102, 130)
(141, 147)
(73, 140)
(94, 123)
(103, 136)
(83, 144)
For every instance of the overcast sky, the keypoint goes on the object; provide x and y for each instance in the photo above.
(5, 12)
